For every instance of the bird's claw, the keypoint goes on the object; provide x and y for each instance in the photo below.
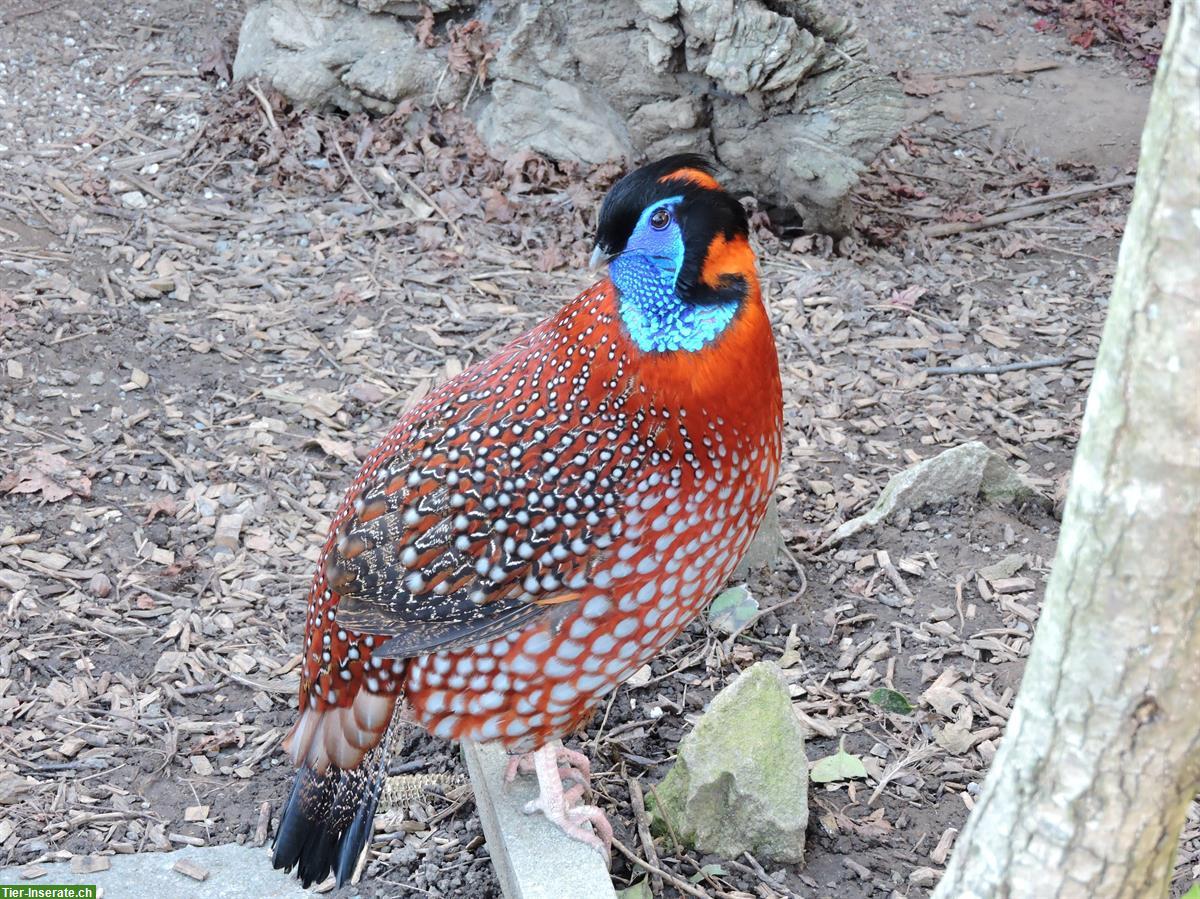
(552, 763)
(570, 819)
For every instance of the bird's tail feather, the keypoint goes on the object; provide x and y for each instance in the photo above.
(327, 821)
(340, 736)
(342, 755)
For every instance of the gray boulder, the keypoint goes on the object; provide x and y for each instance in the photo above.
(557, 119)
(965, 471)
(781, 94)
(326, 53)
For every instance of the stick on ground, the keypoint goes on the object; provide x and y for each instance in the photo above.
(997, 369)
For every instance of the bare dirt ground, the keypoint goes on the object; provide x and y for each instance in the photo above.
(211, 306)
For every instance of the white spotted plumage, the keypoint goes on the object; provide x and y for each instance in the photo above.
(569, 513)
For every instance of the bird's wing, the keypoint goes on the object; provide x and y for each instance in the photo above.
(470, 521)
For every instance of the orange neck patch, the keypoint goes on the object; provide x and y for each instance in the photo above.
(726, 258)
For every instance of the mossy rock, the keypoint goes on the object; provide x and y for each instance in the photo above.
(741, 779)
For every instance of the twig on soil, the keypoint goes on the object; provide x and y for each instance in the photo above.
(37, 207)
(1015, 69)
(55, 767)
(1053, 249)
(254, 89)
(1076, 192)
(197, 689)
(638, 802)
(799, 569)
(31, 11)
(630, 725)
(679, 883)
(945, 229)
(884, 560)
(758, 869)
(997, 369)
(88, 332)
(260, 685)
(910, 758)
(404, 176)
(367, 195)
(603, 721)
(1022, 209)
(264, 824)
(666, 819)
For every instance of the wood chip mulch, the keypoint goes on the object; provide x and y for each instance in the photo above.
(211, 306)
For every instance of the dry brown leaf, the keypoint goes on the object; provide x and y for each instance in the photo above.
(338, 449)
(918, 84)
(163, 505)
(49, 474)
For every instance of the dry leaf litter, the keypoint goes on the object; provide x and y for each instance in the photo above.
(211, 306)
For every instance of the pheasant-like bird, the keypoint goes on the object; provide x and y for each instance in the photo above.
(543, 524)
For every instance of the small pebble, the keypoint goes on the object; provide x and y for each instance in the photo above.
(134, 199)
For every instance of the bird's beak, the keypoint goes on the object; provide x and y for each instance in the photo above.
(599, 258)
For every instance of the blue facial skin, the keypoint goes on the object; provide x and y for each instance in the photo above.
(645, 273)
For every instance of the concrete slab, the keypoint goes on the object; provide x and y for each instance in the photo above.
(533, 858)
(234, 872)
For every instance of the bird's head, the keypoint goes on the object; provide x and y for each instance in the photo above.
(678, 253)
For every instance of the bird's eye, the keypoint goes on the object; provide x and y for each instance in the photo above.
(659, 219)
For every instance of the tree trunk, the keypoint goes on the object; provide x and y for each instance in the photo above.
(781, 95)
(1088, 793)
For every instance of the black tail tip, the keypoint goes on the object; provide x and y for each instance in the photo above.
(326, 824)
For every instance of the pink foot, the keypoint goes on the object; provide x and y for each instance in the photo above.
(561, 806)
(571, 764)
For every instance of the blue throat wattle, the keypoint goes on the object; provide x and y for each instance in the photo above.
(657, 319)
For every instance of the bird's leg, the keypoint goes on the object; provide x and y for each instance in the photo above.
(571, 764)
(559, 805)
(553, 763)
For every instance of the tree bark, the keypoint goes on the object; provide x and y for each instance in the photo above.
(1088, 793)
